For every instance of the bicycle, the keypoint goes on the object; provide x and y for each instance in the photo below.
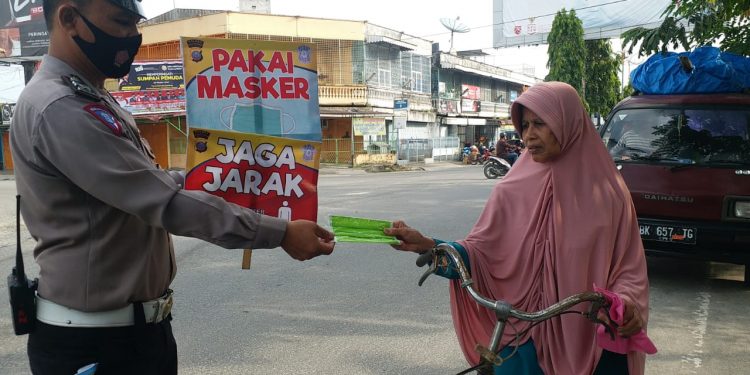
(504, 310)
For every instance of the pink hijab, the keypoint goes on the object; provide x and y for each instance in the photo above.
(550, 230)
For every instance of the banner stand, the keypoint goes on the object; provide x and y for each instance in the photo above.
(247, 258)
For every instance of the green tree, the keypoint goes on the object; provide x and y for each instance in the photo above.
(724, 21)
(627, 91)
(565, 46)
(602, 85)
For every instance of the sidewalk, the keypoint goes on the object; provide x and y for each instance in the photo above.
(332, 169)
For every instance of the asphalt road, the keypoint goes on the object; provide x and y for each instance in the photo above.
(360, 311)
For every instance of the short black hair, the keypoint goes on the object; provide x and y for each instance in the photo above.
(50, 6)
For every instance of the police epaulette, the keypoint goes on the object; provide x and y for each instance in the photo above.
(81, 88)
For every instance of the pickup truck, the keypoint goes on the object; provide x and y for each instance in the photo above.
(686, 161)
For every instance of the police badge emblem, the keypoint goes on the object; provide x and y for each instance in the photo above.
(201, 146)
(304, 54)
(308, 153)
(196, 49)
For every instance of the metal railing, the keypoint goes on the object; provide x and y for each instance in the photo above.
(343, 151)
(342, 95)
(445, 106)
(438, 149)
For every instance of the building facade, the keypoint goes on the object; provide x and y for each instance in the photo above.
(362, 69)
(472, 99)
(428, 103)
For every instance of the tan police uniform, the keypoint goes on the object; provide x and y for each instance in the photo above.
(100, 210)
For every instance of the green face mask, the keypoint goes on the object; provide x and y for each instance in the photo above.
(361, 230)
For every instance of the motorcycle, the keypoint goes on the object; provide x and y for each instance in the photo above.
(496, 167)
(484, 155)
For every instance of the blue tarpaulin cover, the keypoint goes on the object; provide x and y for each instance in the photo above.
(713, 72)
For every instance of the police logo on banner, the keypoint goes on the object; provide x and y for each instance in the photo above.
(308, 153)
(196, 52)
(106, 117)
(304, 54)
(201, 146)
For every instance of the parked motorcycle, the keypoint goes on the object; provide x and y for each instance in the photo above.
(496, 167)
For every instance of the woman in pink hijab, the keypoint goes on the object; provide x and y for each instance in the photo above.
(560, 222)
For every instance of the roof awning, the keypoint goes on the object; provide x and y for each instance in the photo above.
(463, 121)
(344, 112)
(509, 78)
(19, 59)
(473, 121)
(404, 46)
(156, 117)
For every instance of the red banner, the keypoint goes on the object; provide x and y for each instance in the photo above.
(273, 176)
(151, 101)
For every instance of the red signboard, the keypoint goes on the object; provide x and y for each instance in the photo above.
(151, 101)
(470, 92)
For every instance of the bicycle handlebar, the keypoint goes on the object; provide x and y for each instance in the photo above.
(424, 258)
(503, 309)
(501, 306)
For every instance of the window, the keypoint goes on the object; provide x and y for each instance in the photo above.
(384, 77)
(685, 136)
(416, 81)
(501, 98)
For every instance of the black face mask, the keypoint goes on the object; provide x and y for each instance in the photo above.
(113, 56)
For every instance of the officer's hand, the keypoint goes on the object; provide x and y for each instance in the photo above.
(305, 240)
(411, 239)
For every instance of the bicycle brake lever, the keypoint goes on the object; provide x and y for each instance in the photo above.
(426, 274)
(593, 316)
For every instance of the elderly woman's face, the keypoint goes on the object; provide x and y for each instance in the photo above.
(540, 142)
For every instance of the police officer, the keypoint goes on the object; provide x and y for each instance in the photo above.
(101, 211)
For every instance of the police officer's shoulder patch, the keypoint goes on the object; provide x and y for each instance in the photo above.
(105, 116)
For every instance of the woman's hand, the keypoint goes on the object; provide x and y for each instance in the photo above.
(632, 320)
(411, 239)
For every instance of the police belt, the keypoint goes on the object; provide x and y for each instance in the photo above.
(57, 315)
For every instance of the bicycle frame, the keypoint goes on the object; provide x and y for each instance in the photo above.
(504, 310)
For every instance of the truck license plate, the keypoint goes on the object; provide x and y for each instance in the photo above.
(668, 233)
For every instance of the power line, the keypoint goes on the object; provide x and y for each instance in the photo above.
(521, 19)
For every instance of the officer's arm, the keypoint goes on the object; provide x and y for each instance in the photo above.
(88, 152)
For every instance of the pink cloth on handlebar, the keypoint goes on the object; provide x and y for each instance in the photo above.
(635, 343)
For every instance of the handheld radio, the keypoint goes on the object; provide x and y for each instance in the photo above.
(21, 290)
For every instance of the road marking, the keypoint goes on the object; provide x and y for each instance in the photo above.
(693, 361)
(359, 193)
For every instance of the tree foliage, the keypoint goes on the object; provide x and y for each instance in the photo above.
(602, 85)
(566, 60)
(710, 21)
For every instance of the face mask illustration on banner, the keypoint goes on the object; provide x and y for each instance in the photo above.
(255, 118)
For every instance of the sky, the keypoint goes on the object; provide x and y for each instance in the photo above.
(417, 17)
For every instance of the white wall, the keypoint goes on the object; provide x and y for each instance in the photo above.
(11, 83)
